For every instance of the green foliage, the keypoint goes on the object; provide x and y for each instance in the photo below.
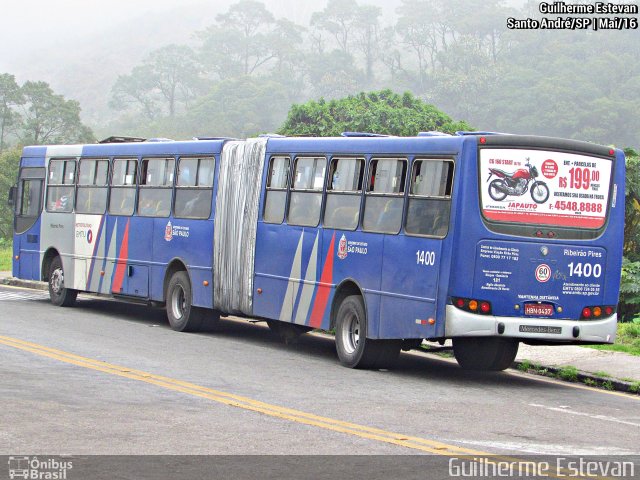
(632, 206)
(382, 112)
(568, 373)
(629, 306)
(49, 118)
(6, 252)
(10, 96)
(608, 385)
(629, 289)
(627, 338)
(233, 108)
(524, 366)
(9, 161)
(168, 76)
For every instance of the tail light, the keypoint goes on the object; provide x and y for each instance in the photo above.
(597, 311)
(472, 305)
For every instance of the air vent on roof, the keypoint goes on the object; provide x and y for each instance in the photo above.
(433, 134)
(119, 139)
(461, 133)
(362, 134)
(214, 138)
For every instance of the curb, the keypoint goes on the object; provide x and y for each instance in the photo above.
(586, 378)
(17, 282)
(542, 370)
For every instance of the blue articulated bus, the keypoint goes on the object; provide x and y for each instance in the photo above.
(486, 239)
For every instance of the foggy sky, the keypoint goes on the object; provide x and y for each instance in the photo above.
(31, 27)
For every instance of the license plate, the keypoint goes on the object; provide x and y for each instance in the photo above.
(540, 329)
(538, 309)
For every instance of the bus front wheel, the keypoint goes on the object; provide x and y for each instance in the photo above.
(485, 353)
(58, 293)
(354, 349)
(182, 315)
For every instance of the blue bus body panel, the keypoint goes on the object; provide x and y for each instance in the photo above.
(298, 270)
(26, 246)
(126, 255)
(507, 268)
(203, 147)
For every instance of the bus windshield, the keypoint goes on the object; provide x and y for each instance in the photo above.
(544, 187)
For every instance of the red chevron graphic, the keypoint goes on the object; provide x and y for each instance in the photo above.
(121, 266)
(324, 289)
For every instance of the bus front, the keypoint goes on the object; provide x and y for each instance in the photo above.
(538, 247)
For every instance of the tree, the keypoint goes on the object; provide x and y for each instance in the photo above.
(333, 74)
(337, 18)
(9, 161)
(10, 96)
(236, 108)
(366, 36)
(168, 75)
(630, 281)
(383, 112)
(137, 88)
(48, 118)
(175, 73)
(417, 29)
(238, 44)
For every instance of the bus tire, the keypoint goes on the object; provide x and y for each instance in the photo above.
(354, 349)
(182, 315)
(58, 293)
(485, 353)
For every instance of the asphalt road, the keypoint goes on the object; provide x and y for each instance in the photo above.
(106, 377)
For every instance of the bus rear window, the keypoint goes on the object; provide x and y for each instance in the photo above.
(543, 187)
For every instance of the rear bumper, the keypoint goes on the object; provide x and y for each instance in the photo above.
(464, 324)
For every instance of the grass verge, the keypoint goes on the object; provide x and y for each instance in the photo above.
(627, 339)
(6, 251)
(570, 373)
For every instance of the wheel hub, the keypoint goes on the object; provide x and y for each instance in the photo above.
(57, 280)
(178, 302)
(351, 334)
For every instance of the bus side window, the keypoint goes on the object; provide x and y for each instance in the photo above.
(123, 186)
(194, 187)
(29, 198)
(61, 186)
(276, 195)
(93, 177)
(430, 198)
(305, 200)
(156, 187)
(343, 193)
(384, 199)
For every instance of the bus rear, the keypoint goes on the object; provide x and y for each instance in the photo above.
(538, 244)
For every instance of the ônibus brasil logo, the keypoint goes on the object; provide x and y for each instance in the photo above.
(168, 232)
(342, 248)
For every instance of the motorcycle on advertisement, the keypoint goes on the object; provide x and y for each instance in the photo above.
(517, 183)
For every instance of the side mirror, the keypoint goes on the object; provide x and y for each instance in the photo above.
(13, 191)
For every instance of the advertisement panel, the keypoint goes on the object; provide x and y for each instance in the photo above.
(544, 187)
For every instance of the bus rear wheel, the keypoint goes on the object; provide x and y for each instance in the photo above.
(354, 349)
(485, 353)
(58, 293)
(182, 315)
